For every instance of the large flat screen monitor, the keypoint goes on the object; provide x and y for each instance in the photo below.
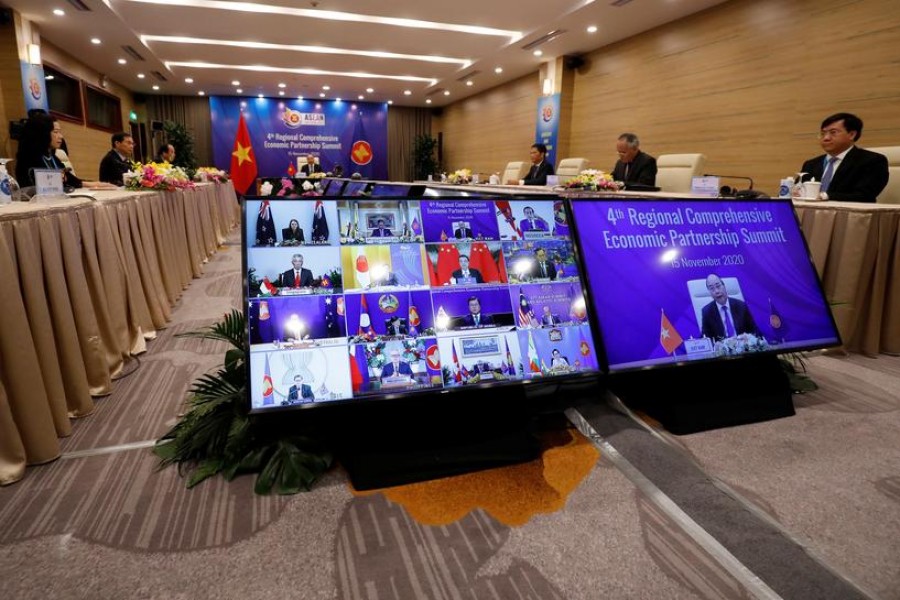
(682, 280)
(355, 299)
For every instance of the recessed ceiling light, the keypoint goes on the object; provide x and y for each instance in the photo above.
(49, 77)
(352, 107)
(407, 93)
(122, 61)
(360, 97)
(370, 90)
(390, 101)
(428, 101)
(446, 92)
(282, 85)
(59, 12)
(243, 104)
(321, 94)
(326, 87)
(470, 83)
(337, 100)
(538, 53)
(155, 87)
(95, 40)
(239, 91)
(498, 70)
(235, 82)
(141, 76)
(281, 93)
(592, 29)
(318, 106)
(259, 96)
(201, 93)
(300, 71)
(299, 97)
(188, 80)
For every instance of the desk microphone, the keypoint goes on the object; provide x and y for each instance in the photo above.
(728, 191)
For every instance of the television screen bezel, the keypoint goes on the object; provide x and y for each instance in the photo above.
(527, 386)
(595, 320)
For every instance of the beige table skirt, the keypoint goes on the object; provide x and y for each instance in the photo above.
(85, 284)
(856, 249)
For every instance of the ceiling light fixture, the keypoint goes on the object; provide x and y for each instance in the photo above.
(155, 87)
(282, 85)
(538, 53)
(188, 80)
(370, 90)
(122, 61)
(428, 101)
(260, 96)
(281, 93)
(498, 70)
(360, 97)
(201, 93)
(407, 93)
(463, 62)
(470, 83)
(268, 69)
(140, 75)
(321, 94)
(59, 12)
(390, 101)
(235, 82)
(239, 91)
(446, 92)
(299, 97)
(95, 41)
(592, 29)
(332, 15)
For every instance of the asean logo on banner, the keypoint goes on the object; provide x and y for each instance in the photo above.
(433, 357)
(291, 118)
(34, 87)
(547, 113)
(361, 152)
(585, 349)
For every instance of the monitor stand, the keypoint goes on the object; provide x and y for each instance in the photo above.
(709, 395)
(389, 443)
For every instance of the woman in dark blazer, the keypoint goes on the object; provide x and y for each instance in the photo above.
(293, 232)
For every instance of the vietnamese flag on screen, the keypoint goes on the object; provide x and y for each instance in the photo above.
(668, 336)
(243, 161)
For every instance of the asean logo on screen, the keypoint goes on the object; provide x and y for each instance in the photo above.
(433, 357)
(295, 119)
(361, 152)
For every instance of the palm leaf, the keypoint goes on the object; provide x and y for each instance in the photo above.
(232, 329)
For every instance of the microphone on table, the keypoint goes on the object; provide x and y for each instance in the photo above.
(732, 192)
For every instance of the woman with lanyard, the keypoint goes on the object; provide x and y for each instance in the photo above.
(41, 137)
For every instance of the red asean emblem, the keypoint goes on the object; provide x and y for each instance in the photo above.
(547, 113)
(361, 152)
(585, 349)
(433, 358)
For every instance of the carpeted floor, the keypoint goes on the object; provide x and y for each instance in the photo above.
(104, 523)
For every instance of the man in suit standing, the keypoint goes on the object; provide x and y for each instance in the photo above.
(381, 230)
(296, 277)
(396, 367)
(117, 161)
(300, 393)
(532, 223)
(540, 168)
(725, 317)
(465, 272)
(633, 165)
(847, 172)
(543, 268)
(310, 167)
(475, 318)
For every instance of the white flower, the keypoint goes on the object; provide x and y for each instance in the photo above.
(265, 189)
(307, 186)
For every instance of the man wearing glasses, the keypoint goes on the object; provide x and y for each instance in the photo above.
(725, 317)
(847, 172)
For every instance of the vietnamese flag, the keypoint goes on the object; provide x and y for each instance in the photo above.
(668, 336)
(482, 259)
(448, 261)
(243, 161)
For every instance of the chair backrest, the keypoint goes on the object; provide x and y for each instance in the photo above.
(700, 295)
(514, 171)
(891, 193)
(571, 167)
(675, 171)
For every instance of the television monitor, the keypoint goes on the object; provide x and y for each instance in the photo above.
(350, 319)
(335, 188)
(385, 190)
(678, 280)
(355, 187)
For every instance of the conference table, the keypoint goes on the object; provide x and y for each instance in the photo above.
(87, 280)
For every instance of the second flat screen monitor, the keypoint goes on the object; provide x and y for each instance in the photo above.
(356, 299)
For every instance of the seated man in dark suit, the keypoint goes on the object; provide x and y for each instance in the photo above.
(540, 168)
(117, 161)
(165, 153)
(381, 230)
(300, 393)
(396, 367)
(296, 277)
(293, 232)
(310, 167)
(475, 318)
(474, 275)
(633, 165)
(847, 172)
(548, 318)
(463, 232)
(725, 317)
(543, 268)
(396, 326)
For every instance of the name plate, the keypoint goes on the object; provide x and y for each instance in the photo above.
(48, 182)
(705, 186)
(699, 348)
(552, 180)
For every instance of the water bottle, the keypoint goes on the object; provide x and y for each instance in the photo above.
(784, 190)
(5, 188)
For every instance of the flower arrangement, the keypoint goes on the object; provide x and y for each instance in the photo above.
(317, 175)
(288, 187)
(460, 176)
(156, 176)
(592, 179)
(210, 174)
(741, 344)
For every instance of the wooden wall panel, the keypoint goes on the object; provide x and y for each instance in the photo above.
(488, 130)
(746, 83)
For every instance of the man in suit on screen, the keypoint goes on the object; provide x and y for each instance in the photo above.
(396, 326)
(463, 231)
(725, 317)
(464, 274)
(548, 319)
(543, 267)
(476, 318)
(531, 222)
(633, 165)
(297, 277)
(381, 230)
(300, 393)
(396, 366)
(847, 172)
(311, 166)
